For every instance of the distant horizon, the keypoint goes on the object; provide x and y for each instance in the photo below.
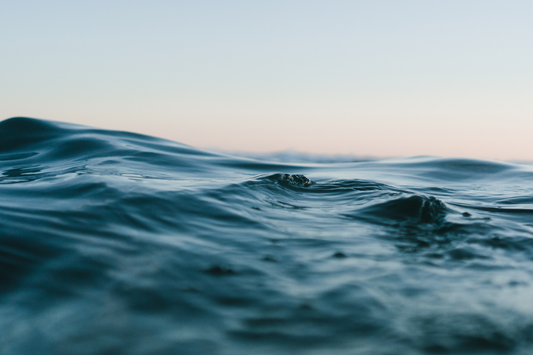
(367, 78)
(299, 155)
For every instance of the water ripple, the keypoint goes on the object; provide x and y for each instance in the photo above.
(113, 242)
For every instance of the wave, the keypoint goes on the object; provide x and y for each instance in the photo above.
(114, 242)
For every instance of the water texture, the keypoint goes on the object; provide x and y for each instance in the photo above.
(118, 243)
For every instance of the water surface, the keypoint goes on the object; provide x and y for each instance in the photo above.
(118, 243)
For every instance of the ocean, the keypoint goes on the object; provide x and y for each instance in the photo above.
(119, 243)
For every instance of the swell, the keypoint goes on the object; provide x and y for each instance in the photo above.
(143, 246)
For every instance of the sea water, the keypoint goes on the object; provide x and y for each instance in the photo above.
(119, 243)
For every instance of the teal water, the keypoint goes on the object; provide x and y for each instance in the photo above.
(118, 243)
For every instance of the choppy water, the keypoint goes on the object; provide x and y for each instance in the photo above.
(117, 243)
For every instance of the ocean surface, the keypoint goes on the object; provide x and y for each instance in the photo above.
(119, 243)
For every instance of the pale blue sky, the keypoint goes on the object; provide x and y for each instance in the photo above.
(382, 78)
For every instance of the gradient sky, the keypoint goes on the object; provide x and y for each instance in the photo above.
(372, 78)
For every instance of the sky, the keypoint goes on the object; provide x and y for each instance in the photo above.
(369, 78)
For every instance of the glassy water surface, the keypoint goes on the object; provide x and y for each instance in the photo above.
(118, 243)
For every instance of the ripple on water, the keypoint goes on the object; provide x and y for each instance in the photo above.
(145, 246)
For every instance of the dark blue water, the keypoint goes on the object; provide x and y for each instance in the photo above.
(118, 243)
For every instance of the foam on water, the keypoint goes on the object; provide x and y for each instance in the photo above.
(118, 243)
